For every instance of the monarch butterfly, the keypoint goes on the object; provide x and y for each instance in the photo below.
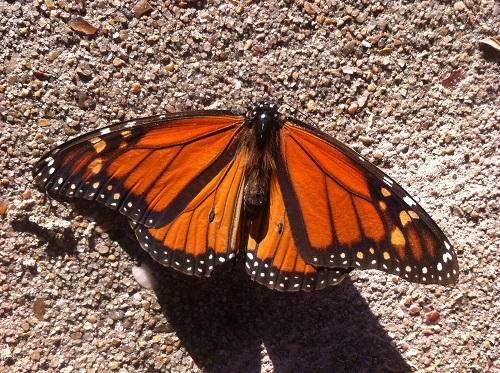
(302, 208)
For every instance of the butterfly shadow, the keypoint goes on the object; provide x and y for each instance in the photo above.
(225, 322)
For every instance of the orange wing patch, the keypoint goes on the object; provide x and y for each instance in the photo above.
(330, 217)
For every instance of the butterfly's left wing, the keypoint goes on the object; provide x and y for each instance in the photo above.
(177, 177)
(207, 232)
(344, 212)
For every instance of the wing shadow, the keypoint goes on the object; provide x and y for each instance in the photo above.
(225, 321)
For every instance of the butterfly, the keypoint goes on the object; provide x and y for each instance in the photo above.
(301, 208)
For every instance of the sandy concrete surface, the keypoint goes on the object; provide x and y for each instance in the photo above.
(406, 84)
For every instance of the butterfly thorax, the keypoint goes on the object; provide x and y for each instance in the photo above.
(261, 143)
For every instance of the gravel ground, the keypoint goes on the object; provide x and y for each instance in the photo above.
(406, 84)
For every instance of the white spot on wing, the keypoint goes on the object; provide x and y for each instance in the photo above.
(446, 257)
(410, 202)
(387, 181)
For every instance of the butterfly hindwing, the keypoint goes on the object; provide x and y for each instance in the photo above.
(206, 233)
(272, 258)
(347, 213)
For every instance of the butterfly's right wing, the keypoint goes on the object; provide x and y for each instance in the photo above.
(272, 258)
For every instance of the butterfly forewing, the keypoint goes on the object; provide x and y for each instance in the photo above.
(358, 217)
(141, 169)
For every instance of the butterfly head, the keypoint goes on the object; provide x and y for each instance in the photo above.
(265, 119)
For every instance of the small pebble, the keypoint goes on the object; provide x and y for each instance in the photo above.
(312, 106)
(414, 310)
(459, 5)
(114, 365)
(432, 317)
(35, 355)
(51, 56)
(427, 331)
(117, 62)
(39, 308)
(80, 25)
(350, 47)
(141, 7)
(136, 88)
(43, 122)
(352, 109)
(365, 140)
(116, 315)
(144, 277)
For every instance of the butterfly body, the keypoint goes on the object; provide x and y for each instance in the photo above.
(200, 187)
(261, 146)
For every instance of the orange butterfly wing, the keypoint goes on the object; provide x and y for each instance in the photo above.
(175, 176)
(344, 212)
(207, 232)
(272, 258)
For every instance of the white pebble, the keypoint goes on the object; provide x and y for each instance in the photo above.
(144, 277)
